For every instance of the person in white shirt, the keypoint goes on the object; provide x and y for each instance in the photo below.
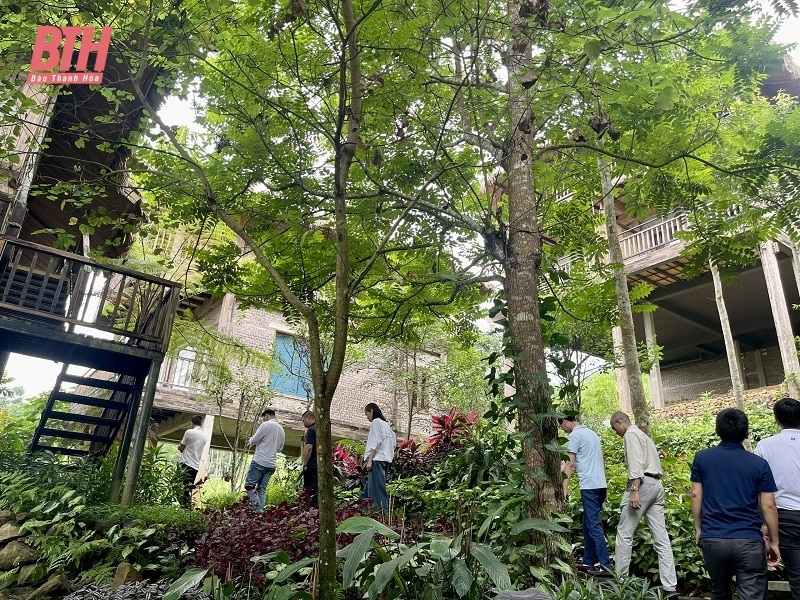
(192, 444)
(268, 440)
(378, 456)
(782, 452)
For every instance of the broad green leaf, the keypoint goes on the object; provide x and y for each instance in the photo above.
(440, 548)
(293, 568)
(667, 98)
(387, 570)
(462, 578)
(592, 49)
(280, 592)
(355, 552)
(279, 556)
(536, 524)
(189, 580)
(489, 561)
(360, 524)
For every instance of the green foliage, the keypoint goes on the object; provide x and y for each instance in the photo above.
(75, 532)
(285, 485)
(629, 588)
(438, 567)
(18, 420)
(9, 395)
(600, 398)
(159, 482)
(217, 495)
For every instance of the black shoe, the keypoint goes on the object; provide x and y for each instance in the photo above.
(584, 568)
(601, 571)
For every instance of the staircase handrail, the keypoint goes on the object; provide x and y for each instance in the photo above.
(69, 290)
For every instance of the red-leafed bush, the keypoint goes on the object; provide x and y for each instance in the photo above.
(236, 534)
(408, 460)
(346, 461)
(449, 428)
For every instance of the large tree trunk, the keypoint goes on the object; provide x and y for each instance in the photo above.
(641, 412)
(730, 348)
(521, 264)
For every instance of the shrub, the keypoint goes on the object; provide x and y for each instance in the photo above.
(235, 535)
(217, 494)
(159, 482)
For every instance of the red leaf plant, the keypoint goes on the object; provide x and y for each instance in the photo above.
(449, 428)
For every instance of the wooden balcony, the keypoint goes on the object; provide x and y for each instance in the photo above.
(48, 289)
(651, 250)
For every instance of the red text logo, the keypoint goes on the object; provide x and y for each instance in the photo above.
(53, 53)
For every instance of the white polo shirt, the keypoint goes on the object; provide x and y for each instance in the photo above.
(782, 452)
(194, 441)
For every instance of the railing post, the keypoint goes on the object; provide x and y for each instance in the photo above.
(141, 434)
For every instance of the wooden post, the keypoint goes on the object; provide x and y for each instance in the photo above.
(731, 349)
(623, 389)
(656, 391)
(141, 435)
(780, 315)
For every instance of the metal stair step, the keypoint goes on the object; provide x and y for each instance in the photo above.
(105, 384)
(88, 400)
(58, 415)
(57, 450)
(73, 435)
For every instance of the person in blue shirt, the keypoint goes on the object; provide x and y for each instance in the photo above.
(733, 494)
(586, 457)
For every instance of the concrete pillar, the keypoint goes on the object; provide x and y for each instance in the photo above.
(202, 472)
(740, 363)
(227, 311)
(795, 264)
(780, 315)
(623, 389)
(762, 378)
(656, 390)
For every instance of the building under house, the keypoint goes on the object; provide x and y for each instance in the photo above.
(686, 323)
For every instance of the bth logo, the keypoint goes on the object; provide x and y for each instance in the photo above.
(54, 49)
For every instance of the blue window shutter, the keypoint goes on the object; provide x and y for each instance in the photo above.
(289, 373)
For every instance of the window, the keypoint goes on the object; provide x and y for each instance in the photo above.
(184, 367)
(290, 375)
(421, 390)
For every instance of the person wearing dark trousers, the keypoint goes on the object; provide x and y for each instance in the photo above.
(378, 456)
(733, 494)
(586, 457)
(191, 448)
(309, 456)
(268, 439)
(782, 452)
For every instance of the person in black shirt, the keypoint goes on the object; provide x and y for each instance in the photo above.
(310, 456)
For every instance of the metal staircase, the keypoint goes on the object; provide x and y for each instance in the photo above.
(86, 419)
(110, 322)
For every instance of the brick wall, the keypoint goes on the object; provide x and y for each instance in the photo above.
(358, 385)
(687, 382)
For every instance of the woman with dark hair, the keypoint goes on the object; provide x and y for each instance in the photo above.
(379, 454)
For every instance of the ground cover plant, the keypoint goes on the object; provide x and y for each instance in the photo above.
(458, 529)
(72, 529)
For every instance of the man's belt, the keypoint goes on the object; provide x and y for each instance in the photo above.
(652, 475)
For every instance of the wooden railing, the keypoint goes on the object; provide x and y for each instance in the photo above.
(190, 371)
(67, 291)
(651, 235)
